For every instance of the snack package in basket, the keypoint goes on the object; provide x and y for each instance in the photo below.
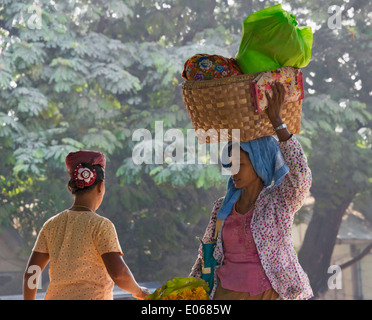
(290, 77)
(203, 66)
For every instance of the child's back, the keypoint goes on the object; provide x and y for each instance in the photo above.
(75, 241)
(81, 246)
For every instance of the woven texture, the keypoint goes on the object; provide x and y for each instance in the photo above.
(228, 104)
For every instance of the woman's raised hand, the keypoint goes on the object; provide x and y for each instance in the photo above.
(275, 104)
(274, 110)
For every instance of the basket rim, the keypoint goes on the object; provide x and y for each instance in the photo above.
(190, 85)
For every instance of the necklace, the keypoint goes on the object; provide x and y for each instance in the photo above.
(82, 207)
(249, 207)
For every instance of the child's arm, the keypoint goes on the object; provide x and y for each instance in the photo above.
(122, 276)
(36, 264)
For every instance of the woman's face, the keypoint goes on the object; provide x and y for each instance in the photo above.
(246, 174)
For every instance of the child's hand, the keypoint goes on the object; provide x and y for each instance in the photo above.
(142, 293)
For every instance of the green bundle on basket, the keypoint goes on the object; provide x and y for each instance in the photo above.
(271, 39)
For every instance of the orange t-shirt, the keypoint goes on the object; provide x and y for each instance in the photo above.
(75, 241)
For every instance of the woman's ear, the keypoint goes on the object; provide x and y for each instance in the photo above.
(100, 186)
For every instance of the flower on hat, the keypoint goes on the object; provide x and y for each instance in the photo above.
(84, 177)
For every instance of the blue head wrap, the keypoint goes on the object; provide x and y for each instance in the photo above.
(268, 162)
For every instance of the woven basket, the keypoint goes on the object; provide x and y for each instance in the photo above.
(227, 103)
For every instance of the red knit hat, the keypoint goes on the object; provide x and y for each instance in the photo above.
(73, 159)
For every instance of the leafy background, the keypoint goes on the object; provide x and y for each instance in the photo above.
(98, 70)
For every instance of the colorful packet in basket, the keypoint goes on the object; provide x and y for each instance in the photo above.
(290, 77)
(208, 67)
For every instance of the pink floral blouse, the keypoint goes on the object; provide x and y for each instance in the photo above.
(271, 227)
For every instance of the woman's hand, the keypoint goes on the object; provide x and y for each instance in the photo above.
(275, 104)
(274, 110)
(142, 293)
(122, 276)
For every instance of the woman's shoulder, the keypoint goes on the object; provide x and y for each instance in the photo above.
(217, 204)
(99, 220)
(219, 200)
(55, 218)
(88, 217)
(98, 223)
(103, 223)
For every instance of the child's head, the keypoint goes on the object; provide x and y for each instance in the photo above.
(87, 174)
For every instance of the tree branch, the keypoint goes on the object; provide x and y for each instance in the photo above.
(208, 22)
(360, 256)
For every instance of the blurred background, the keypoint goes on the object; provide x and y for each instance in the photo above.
(85, 74)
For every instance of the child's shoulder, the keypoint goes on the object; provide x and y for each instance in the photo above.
(65, 215)
(100, 221)
(55, 218)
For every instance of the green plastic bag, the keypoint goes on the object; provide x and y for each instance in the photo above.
(271, 40)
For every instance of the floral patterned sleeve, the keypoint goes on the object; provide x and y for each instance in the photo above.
(297, 182)
(207, 238)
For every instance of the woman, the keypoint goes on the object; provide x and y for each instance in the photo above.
(82, 247)
(254, 251)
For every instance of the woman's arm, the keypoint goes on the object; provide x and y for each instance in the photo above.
(122, 276)
(36, 264)
(297, 182)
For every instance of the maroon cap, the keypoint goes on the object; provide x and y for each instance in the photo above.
(73, 159)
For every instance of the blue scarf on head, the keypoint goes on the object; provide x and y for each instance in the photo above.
(267, 161)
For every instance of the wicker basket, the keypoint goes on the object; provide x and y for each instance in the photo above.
(227, 103)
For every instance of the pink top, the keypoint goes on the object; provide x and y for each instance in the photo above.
(241, 269)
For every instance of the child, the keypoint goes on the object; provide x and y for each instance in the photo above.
(82, 247)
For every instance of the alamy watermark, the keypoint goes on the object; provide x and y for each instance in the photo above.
(174, 152)
(35, 20)
(334, 21)
(34, 281)
(335, 280)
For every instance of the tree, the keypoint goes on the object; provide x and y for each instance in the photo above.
(337, 120)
